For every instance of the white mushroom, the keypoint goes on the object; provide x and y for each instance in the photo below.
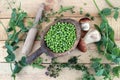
(92, 36)
(84, 23)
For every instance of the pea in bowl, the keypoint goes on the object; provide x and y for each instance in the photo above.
(58, 39)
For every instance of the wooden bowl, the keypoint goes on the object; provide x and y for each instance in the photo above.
(45, 49)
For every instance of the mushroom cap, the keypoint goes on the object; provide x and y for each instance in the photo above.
(84, 20)
(92, 36)
(85, 26)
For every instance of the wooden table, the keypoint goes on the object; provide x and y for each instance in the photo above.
(31, 7)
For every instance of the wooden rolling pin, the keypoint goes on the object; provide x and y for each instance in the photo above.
(27, 47)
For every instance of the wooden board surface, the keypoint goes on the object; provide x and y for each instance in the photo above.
(31, 7)
(114, 24)
(29, 73)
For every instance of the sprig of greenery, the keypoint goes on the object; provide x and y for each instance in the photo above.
(64, 9)
(101, 69)
(108, 11)
(107, 45)
(16, 27)
(109, 3)
(89, 16)
(46, 15)
(104, 69)
(18, 66)
(16, 20)
(115, 9)
(55, 67)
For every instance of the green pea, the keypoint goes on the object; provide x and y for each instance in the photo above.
(60, 37)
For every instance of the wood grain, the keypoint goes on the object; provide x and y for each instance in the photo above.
(114, 24)
(84, 57)
(32, 6)
(29, 73)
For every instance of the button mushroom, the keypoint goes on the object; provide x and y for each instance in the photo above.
(84, 23)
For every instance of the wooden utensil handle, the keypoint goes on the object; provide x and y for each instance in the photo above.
(39, 14)
(33, 56)
(27, 47)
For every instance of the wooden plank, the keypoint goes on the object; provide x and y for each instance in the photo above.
(33, 5)
(84, 57)
(115, 25)
(29, 73)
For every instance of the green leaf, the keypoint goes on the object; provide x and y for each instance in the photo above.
(117, 60)
(9, 29)
(96, 59)
(13, 19)
(105, 40)
(116, 51)
(39, 60)
(116, 15)
(9, 47)
(99, 46)
(21, 16)
(64, 9)
(102, 25)
(72, 60)
(14, 14)
(107, 66)
(111, 33)
(22, 62)
(116, 71)
(110, 45)
(17, 68)
(98, 28)
(22, 26)
(109, 57)
(15, 47)
(106, 11)
(15, 37)
(88, 76)
(100, 72)
(38, 66)
(10, 58)
(10, 36)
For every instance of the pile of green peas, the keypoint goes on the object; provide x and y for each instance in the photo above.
(60, 37)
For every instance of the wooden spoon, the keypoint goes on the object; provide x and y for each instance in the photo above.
(45, 49)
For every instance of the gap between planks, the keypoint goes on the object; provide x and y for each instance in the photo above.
(29, 73)
(84, 57)
(87, 5)
(114, 24)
